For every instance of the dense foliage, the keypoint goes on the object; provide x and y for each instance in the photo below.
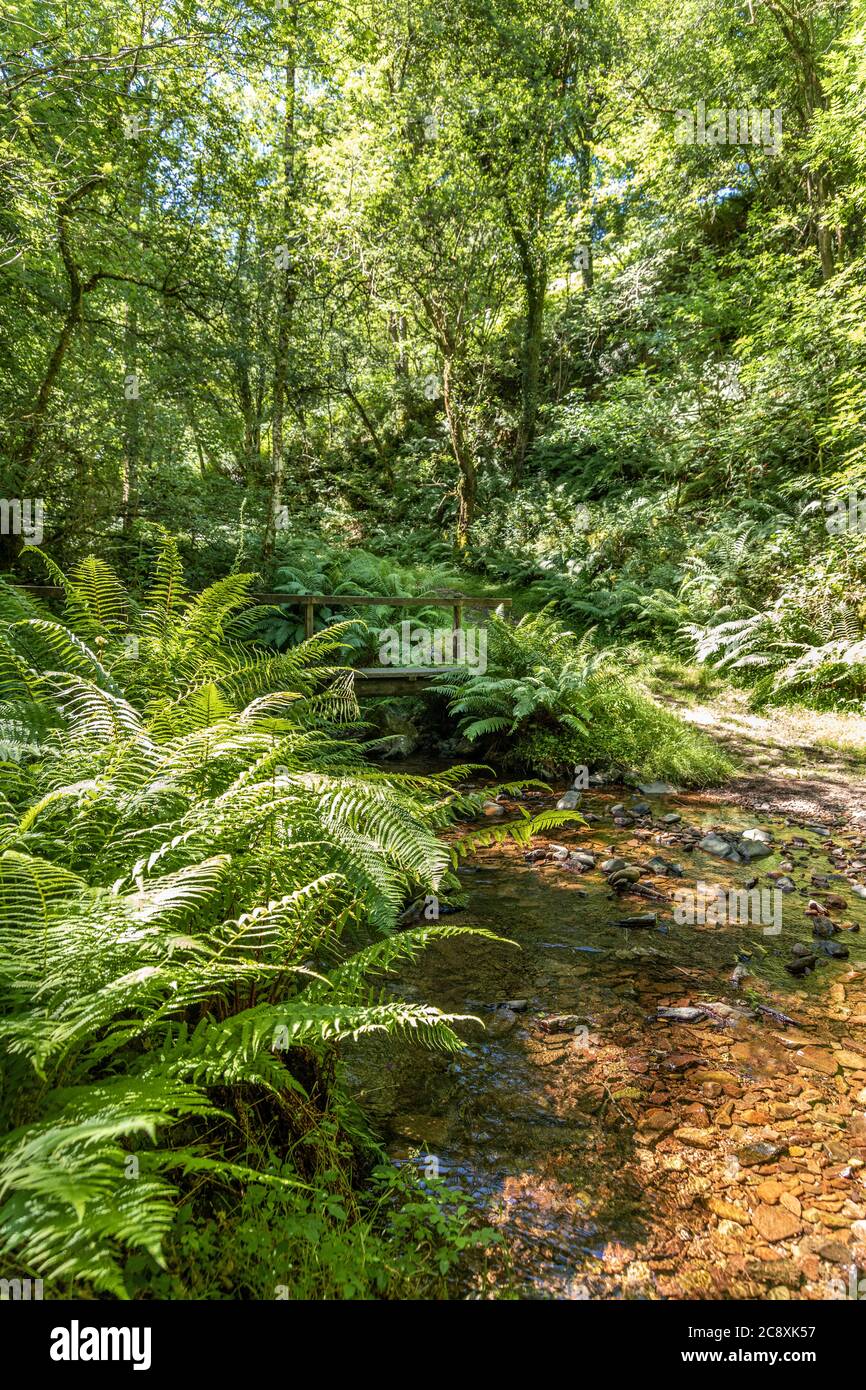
(547, 701)
(399, 277)
(392, 300)
(198, 879)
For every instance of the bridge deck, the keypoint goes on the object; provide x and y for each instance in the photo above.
(397, 680)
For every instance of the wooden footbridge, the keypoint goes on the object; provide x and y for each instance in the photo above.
(370, 680)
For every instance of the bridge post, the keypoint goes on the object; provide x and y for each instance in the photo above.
(309, 623)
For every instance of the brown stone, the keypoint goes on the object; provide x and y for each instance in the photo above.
(698, 1138)
(817, 1059)
(781, 1271)
(697, 1115)
(775, 1223)
(836, 1221)
(833, 1250)
(851, 1061)
(658, 1121)
(728, 1211)
(769, 1191)
(753, 1155)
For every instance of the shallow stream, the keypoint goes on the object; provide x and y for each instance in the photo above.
(619, 1152)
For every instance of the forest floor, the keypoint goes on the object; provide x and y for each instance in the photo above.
(623, 1153)
(793, 761)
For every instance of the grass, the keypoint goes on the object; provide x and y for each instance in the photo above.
(666, 674)
(628, 729)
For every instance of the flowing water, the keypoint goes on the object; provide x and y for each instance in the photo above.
(613, 1149)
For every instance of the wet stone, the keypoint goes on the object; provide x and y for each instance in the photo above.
(762, 1151)
(775, 1223)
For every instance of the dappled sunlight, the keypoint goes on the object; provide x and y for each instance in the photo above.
(630, 1155)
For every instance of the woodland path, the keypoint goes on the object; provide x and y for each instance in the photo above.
(795, 762)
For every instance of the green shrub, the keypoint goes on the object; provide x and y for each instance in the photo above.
(628, 729)
(401, 1238)
(548, 700)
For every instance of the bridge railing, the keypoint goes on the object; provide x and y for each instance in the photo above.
(456, 602)
(309, 602)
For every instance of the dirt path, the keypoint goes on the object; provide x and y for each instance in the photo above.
(793, 762)
(624, 1153)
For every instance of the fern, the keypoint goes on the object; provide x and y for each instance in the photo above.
(195, 861)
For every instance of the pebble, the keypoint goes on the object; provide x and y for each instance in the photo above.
(769, 1191)
(817, 1059)
(697, 1138)
(714, 844)
(827, 1249)
(728, 1211)
(762, 1151)
(824, 928)
(775, 1223)
(854, 1061)
(568, 801)
(834, 949)
(630, 874)
(802, 965)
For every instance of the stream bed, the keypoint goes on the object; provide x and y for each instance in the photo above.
(623, 1152)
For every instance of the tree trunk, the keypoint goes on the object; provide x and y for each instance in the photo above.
(806, 49)
(534, 289)
(73, 318)
(533, 269)
(18, 481)
(288, 293)
(249, 456)
(129, 505)
(467, 476)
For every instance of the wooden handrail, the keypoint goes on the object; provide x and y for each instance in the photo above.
(277, 597)
(384, 600)
(457, 602)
